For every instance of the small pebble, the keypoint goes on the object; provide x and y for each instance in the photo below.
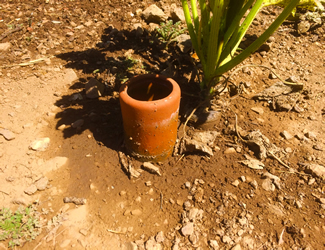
(230, 151)
(235, 183)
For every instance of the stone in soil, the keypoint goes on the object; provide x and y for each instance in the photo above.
(5, 46)
(31, 189)
(267, 185)
(78, 123)
(188, 229)
(151, 168)
(41, 184)
(160, 237)
(75, 200)
(94, 89)
(315, 169)
(7, 134)
(286, 135)
(153, 14)
(55, 163)
(214, 244)
(40, 144)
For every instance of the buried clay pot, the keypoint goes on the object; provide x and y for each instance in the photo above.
(149, 105)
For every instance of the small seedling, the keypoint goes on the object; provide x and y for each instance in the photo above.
(22, 225)
(169, 31)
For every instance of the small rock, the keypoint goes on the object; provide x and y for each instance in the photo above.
(78, 123)
(303, 27)
(83, 231)
(19, 201)
(188, 229)
(41, 184)
(153, 14)
(248, 243)
(94, 88)
(187, 205)
(321, 200)
(311, 181)
(5, 46)
(235, 183)
(243, 178)
(55, 163)
(214, 244)
(230, 151)
(237, 247)
(65, 243)
(286, 135)
(317, 170)
(298, 204)
(271, 39)
(300, 136)
(310, 135)
(122, 193)
(194, 238)
(254, 184)
(226, 239)
(192, 214)
(265, 48)
(318, 147)
(40, 144)
(267, 185)
(188, 184)
(88, 23)
(31, 189)
(151, 168)
(184, 43)
(240, 232)
(177, 14)
(136, 212)
(61, 127)
(151, 244)
(258, 110)
(288, 150)
(242, 221)
(7, 134)
(160, 237)
(75, 200)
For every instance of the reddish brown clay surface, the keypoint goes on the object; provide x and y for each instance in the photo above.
(232, 205)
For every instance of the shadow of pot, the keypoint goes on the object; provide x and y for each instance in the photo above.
(149, 105)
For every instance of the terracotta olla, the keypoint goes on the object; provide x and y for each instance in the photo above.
(149, 105)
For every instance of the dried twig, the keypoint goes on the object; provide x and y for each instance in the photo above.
(4, 192)
(237, 132)
(161, 200)
(115, 232)
(281, 241)
(278, 159)
(4, 35)
(180, 158)
(27, 63)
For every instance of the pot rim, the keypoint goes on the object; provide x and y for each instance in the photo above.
(124, 89)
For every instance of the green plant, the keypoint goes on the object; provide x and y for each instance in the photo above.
(169, 31)
(22, 225)
(217, 32)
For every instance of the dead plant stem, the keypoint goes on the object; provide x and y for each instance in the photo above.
(278, 159)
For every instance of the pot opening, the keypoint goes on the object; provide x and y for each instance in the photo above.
(150, 90)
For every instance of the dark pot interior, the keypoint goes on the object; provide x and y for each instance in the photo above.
(149, 90)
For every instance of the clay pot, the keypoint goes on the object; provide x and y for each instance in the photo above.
(149, 105)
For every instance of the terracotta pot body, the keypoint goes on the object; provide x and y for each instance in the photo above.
(149, 105)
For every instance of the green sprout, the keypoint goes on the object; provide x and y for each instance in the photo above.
(22, 225)
(217, 32)
(169, 31)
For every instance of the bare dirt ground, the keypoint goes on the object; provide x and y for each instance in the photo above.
(200, 201)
